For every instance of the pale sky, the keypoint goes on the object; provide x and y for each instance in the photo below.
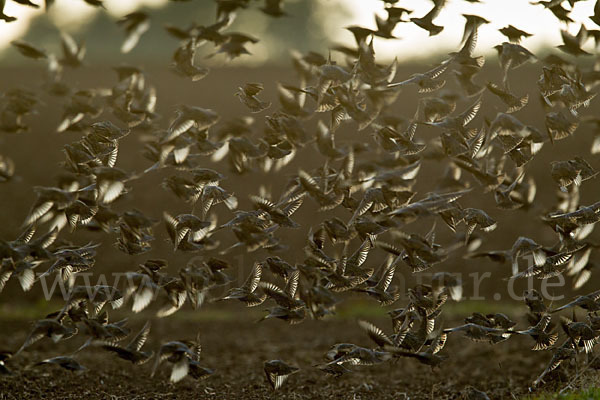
(64, 13)
(414, 42)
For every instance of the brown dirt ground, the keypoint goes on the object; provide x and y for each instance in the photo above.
(237, 349)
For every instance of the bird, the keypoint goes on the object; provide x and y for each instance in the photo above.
(472, 24)
(280, 267)
(68, 363)
(191, 116)
(278, 372)
(426, 22)
(447, 282)
(476, 218)
(553, 266)
(334, 190)
(96, 296)
(478, 333)
(3, 16)
(571, 172)
(427, 81)
(428, 357)
(512, 56)
(28, 3)
(464, 76)
(100, 330)
(596, 17)
(95, 3)
(73, 53)
(135, 25)
(561, 13)
(560, 125)
(273, 8)
(380, 291)
(5, 356)
(234, 45)
(514, 35)
(29, 50)
(375, 334)
(513, 102)
(385, 27)
(183, 63)
(7, 168)
(248, 97)
(227, 9)
(247, 293)
(562, 353)
(588, 302)
(287, 297)
(524, 245)
(133, 351)
(572, 44)
(472, 393)
(178, 353)
(580, 333)
(543, 336)
(51, 328)
(186, 231)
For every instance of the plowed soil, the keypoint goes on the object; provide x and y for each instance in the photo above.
(237, 349)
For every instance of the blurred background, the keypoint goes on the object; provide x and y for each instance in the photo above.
(309, 26)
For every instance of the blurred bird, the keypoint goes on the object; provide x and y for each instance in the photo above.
(135, 25)
(247, 96)
(426, 22)
(178, 353)
(29, 50)
(183, 62)
(572, 44)
(65, 362)
(273, 8)
(51, 328)
(73, 52)
(234, 45)
(513, 34)
(3, 16)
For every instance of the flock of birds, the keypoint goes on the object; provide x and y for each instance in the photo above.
(376, 195)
